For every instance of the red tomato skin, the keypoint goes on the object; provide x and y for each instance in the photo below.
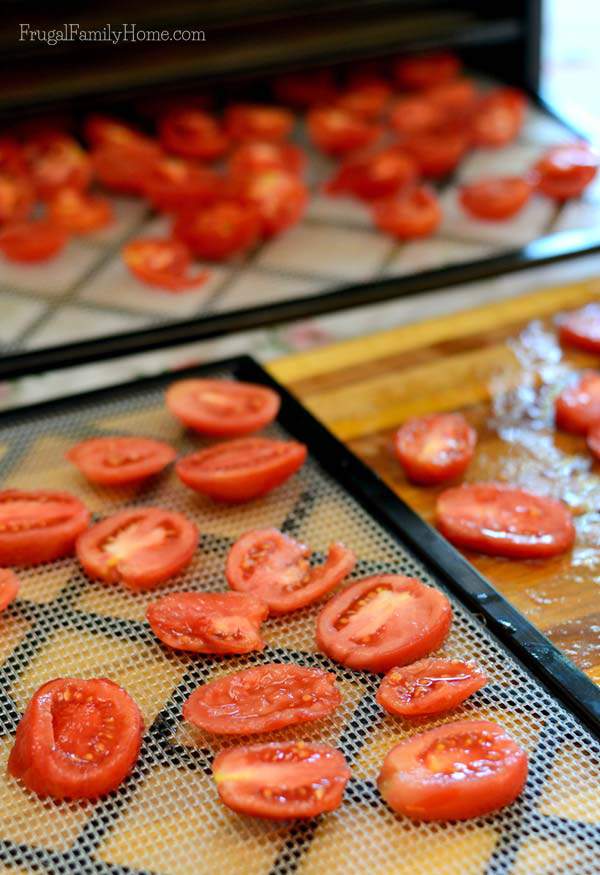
(437, 151)
(260, 406)
(411, 215)
(255, 156)
(318, 762)
(16, 196)
(176, 185)
(458, 449)
(37, 758)
(278, 197)
(336, 131)
(309, 585)
(118, 569)
(420, 72)
(581, 328)
(412, 789)
(78, 212)
(125, 168)
(33, 241)
(456, 97)
(378, 175)
(578, 406)
(9, 587)
(468, 534)
(498, 118)
(380, 656)
(565, 171)
(99, 459)
(257, 122)
(21, 544)
(287, 695)
(220, 230)
(278, 461)
(366, 99)
(495, 199)
(450, 683)
(416, 115)
(164, 264)
(102, 130)
(57, 161)
(192, 133)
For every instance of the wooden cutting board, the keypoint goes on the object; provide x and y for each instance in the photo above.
(501, 366)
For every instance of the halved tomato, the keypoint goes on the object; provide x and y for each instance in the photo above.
(377, 175)
(281, 780)
(174, 184)
(9, 587)
(578, 406)
(192, 133)
(336, 131)
(16, 197)
(39, 526)
(103, 130)
(419, 72)
(78, 739)
(565, 171)
(222, 408)
(498, 118)
(415, 115)
(310, 88)
(581, 328)
(263, 699)
(241, 470)
(31, 241)
(209, 622)
(278, 197)
(409, 215)
(139, 548)
(437, 151)
(366, 99)
(383, 621)
(502, 520)
(79, 212)
(115, 461)
(456, 97)
(495, 199)
(435, 448)
(250, 121)
(255, 156)
(276, 568)
(125, 168)
(220, 230)
(429, 686)
(453, 772)
(162, 263)
(57, 161)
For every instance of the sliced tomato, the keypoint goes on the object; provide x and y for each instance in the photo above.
(503, 520)
(241, 470)
(336, 131)
(209, 622)
(453, 772)
(276, 568)
(310, 88)
(435, 448)
(278, 197)
(78, 739)
(383, 621)
(39, 526)
(437, 151)
(55, 162)
(429, 686)
(139, 548)
(495, 199)
(581, 328)
(192, 133)
(420, 72)
(9, 587)
(263, 699)
(456, 97)
(115, 461)
(162, 263)
(578, 406)
(416, 115)
(281, 780)
(218, 231)
(103, 130)
(376, 175)
(413, 213)
(366, 99)
(31, 241)
(222, 408)
(174, 184)
(565, 171)
(16, 197)
(79, 212)
(126, 167)
(257, 155)
(250, 121)
(498, 118)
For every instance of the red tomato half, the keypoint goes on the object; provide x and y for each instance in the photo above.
(502, 520)
(336, 131)
(219, 231)
(411, 214)
(162, 263)
(39, 526)
(419, 775)
(102, 130)
(255, 156)
(378, 175)
(581, 328)
(564, 171)
(9, 587)
(495, 198)
(416, 115)
(276, 568)
(281, 780)
(263, 699)
(222, 408)
(455, 98)
(78, 212)
(498, 118)
(114, 461)
(311, 88)
(78, 739)
(139, 548)
(578, 406)
(366, 99)
(36, 240)
(174, 184)
(192, 133)
(425, 71)
(429, 686)
(383, 621)
(437, 151)
(125, 168)
(209, 622)
(435, 448)
(278, 197)
(241, 470)
(16, 197)
(248, 121)
(55, 162)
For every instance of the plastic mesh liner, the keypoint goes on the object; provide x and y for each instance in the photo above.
(166, 818)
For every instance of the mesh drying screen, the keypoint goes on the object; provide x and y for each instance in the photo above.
(166, 818)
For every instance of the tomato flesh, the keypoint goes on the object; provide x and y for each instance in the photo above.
(379, 175)
(39, 526)
(192, 133)
(139, 548)
(162, 263)
(410, 215)
(9, 587)
(222, 408)
(429, 686)
(256, 122)
(78, 212)
(258, 155)
(220, 230)
(416, 115)
(502, 520)
(454, 98)
(565, 171)
(278, 197)
(425, 71)
(116, 461)
(383, 621)
(335, 130)
(263, 699)
(126, 167)
(577, 408)
(102, 130)
(78, 739)
(437, 151)
(174, 184)
(209, 622)
(57, 161)
(454, 772)
(581, 328)
(498, 118)
(435, 448)
(494, 199)
(16, 197)
(366, 99)
(32, 241)
(241, 470)
(281, 780)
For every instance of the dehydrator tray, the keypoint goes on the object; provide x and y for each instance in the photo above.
(166, 818)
